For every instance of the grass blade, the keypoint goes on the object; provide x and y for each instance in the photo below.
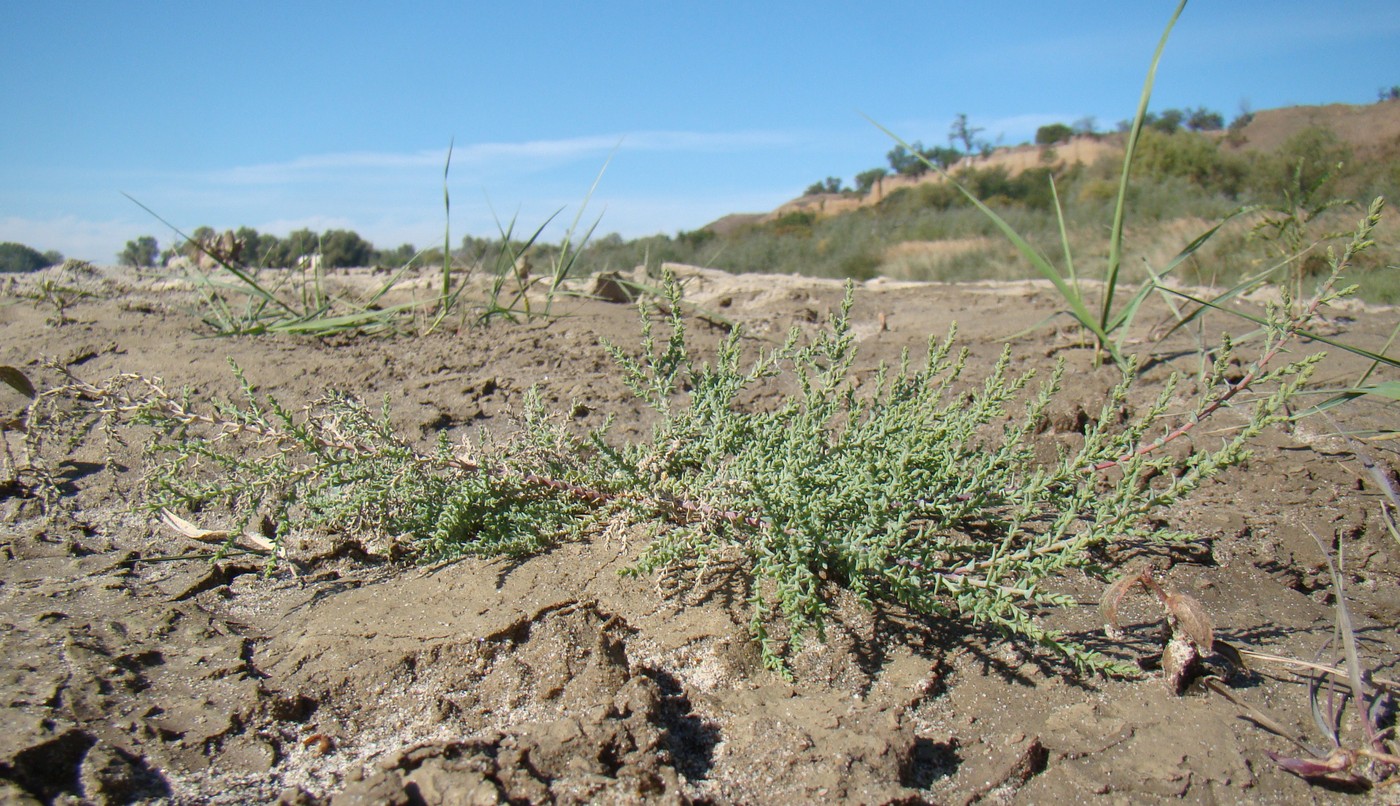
(1064, 237)
(1069, 292)
(1344, 626)
(446, 235)
(1115, 239)
(1259, 320)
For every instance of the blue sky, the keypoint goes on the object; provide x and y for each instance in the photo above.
(281, 115)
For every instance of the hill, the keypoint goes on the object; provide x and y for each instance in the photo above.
(1372, 131)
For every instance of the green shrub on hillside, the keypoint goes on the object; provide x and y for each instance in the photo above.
(1312, 163)
(1194, 157)
(1052, 134)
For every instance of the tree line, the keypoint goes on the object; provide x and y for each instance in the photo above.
(336, 248)
(964, 141)
(16, 257)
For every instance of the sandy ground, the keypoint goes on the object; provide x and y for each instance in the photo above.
(129, 676)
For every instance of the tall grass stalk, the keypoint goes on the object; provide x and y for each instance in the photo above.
(445, 298)
(1109, 326)
(512, 263)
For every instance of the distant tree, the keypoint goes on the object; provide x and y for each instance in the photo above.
(141, 252)
(695, 238)
(1053, 133)
(865, 180)
(942, 156)
(963, 132)
(52, 257)
(1391, 94)
(290, 249)
(394, 257)
(1168, 122)
(16, 257)
(1234, 133)
(202, 234)
(1201, 119)
(831, 184)
(475, 248)
(189, 248)
(1086, 126)
(906, 163)
(344, 248)
(257, 247)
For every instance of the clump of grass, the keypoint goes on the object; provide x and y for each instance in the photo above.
(239, 300)
(512, 280)
(294, 303)
(1109, 325)
(920, 489)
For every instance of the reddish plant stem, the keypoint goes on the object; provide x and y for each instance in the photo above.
(1255, 370)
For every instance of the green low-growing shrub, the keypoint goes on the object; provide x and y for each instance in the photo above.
(918, 489)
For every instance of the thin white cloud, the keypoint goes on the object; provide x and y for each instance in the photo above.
(315, 223)
(529, 153)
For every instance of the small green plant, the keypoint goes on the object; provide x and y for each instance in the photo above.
(1292, 318)
(918, 489)
(1288, 226)
(61, 292)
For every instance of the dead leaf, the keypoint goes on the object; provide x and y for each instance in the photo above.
(1190, 616)
(1338, 761)
(17, 381)
(1231, 655)
(1113, 596)
(189, 530)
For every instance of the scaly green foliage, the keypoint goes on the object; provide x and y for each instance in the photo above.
(908, 492)
(918, 489)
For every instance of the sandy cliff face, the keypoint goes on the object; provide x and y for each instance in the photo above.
(1370, 129)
